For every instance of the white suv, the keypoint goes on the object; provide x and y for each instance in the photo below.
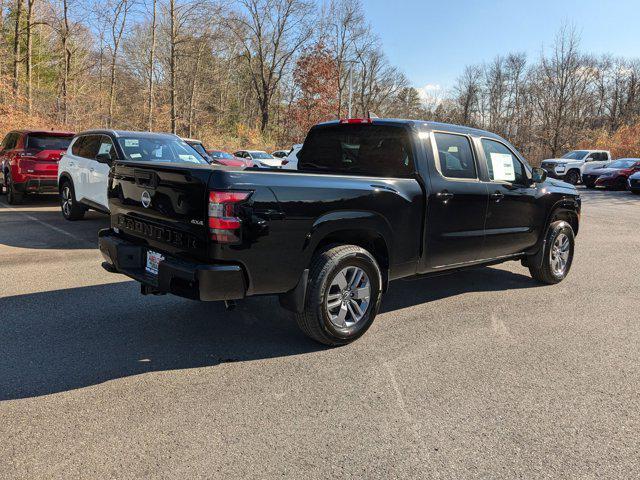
(572, 165)
(83, 171)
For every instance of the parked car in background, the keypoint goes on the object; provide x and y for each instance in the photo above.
(198, 146)
(573, 164)
(84, 170)
(291, 160)
(29, 162)
(260, 159)
(223, 158)
(616, 174)
(373, 201)
(280, 153)
(633, 183)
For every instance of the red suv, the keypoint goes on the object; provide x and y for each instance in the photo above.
(29, 162)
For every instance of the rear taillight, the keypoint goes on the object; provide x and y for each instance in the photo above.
(224, 224)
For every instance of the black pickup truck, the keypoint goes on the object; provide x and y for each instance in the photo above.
(372, 201)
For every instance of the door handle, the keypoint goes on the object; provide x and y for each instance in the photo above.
(445, 196)
(497, 196)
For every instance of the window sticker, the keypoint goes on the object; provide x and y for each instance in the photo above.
(104, 148)
(131, 142)
(503, 169)
(135, 155)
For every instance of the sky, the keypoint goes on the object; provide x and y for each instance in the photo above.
(432, 41)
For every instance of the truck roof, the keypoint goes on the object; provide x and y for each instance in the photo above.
(426, 126)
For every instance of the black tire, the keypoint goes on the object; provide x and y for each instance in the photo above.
(327, 265)
(542, 265)
(70, 208)
(621, 184)
(636, 192)
(572, 177)
(590, 186)
(13, 197)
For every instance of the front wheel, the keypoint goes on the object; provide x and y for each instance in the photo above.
(552, 264)
(343, 295)
(572, 177)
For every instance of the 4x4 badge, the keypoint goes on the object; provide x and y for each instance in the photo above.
(145, 199)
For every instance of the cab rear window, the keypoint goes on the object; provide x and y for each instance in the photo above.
(43, 141)
(376, 150)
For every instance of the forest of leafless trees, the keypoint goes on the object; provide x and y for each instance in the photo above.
(260, 72)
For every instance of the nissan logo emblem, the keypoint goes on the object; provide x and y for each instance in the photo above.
(145, 199)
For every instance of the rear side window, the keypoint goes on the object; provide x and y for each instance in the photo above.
(43, 141)
(455, 157)
(10, 141)
(375, 150)
(77, 146)
(90, 146)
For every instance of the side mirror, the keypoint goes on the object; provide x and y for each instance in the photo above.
(538, 175)
(103, 158)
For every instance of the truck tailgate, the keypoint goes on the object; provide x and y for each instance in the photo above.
(162, 206)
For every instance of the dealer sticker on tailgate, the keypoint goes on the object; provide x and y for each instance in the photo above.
(153, 260)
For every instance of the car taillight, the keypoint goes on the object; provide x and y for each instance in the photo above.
(224, 224)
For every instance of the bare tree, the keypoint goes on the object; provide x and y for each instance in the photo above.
(17, 32)
(271, 32)
(118, 17)
(152, 60)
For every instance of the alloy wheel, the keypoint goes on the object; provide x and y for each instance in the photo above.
(560, 254)
(348, 297)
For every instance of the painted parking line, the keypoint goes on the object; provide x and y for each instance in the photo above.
(45, 224)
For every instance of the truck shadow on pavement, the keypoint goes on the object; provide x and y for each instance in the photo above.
(62, 340)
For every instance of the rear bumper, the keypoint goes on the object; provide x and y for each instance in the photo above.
(186, 279)
(37, 185)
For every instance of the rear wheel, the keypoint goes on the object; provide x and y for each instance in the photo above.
(71, 210)
(13, 197)
(621, 184)
(552, 264)
(572, 177)
(343, 295)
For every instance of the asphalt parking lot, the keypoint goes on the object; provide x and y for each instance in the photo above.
(477, 374)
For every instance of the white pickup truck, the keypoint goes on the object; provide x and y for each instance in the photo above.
(572, 165)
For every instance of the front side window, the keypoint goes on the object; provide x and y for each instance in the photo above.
(159, 149)
(376, 150)
(502, 164)
(106, 146)
(455, 157)
(575, 155)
